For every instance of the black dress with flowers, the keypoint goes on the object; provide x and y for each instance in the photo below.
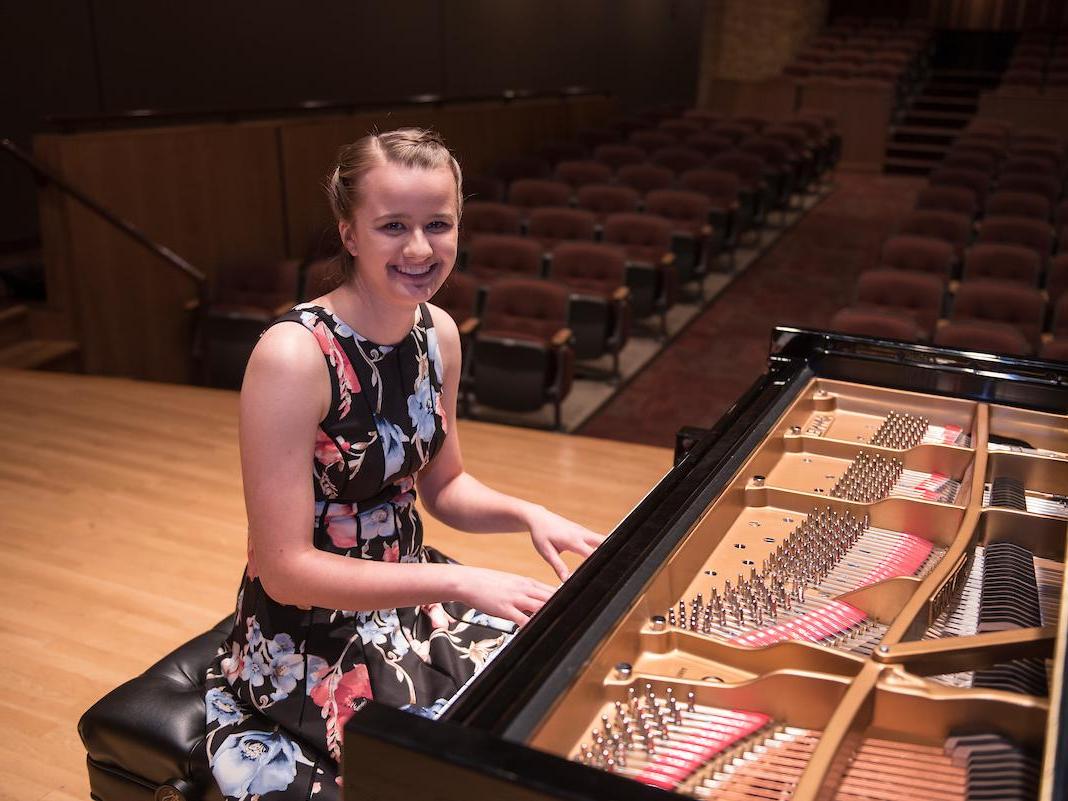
(287, 678)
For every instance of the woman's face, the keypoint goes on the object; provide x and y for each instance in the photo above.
(403, 234)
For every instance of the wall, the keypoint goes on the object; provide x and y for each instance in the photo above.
(98, 56)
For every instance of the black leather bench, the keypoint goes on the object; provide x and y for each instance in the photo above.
(145, 739)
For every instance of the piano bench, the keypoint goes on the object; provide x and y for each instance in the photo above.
(145, 739)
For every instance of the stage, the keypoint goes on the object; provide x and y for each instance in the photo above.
(123, 536)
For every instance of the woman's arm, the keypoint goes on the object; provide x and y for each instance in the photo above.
(460, 500)
(285, 394)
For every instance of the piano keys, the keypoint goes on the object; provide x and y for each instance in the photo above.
(849, 588)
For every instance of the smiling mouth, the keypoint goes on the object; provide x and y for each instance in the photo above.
(415, 271)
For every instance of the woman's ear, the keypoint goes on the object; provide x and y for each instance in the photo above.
(347, 231)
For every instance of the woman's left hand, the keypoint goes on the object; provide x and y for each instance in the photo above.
(553, 534)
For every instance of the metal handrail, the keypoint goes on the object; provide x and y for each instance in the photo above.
(42, 171)
(197, 276)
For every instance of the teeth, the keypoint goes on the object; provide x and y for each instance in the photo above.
(409, 270)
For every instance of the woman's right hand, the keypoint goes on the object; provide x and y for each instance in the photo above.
(501, 594)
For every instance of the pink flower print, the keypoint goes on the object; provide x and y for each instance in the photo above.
(344, 692)
(439, 618)
(326, 450)
(391, 553)
(233, 665)
(342, 531)
(440, 412)
(346, 377)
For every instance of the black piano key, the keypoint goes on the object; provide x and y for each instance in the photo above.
(1027, 676)
(995, 768)
(1009, 493)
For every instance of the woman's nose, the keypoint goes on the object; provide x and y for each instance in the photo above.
(417, 247)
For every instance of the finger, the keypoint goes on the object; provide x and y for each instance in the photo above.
(541, 593)
(516, 616)
(556, 563)
(594, 539)
(584, 550)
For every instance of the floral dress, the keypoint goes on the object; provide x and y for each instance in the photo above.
(287, 678)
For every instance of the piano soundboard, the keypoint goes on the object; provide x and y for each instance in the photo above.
(865, 603)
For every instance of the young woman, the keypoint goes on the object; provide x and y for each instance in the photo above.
(341, 600)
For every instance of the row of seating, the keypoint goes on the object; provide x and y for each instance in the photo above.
(971, 269)
(1039, 61)
(560, 252)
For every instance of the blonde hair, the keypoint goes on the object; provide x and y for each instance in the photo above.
(417, 148)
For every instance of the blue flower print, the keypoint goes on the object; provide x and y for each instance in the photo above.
(256, 762)
(281, 645)
(284, 670)
(378, 522)
(392, 448)
(421, 410)
(432, 352)
(373, 632)
(221, 707)
(317, 670)
(432, 711)
(254, 669)
(477, 618)
(253, 635)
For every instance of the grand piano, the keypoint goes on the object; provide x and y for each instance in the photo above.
(849, 587)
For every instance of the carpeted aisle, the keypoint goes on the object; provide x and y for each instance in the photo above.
(806, 277)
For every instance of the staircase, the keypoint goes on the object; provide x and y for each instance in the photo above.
(25, 324)
(934, 118)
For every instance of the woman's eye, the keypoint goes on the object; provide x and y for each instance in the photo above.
(439, 225)
(393, 227)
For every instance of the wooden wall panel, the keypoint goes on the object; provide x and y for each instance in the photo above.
(222, 194)
(863, 114)
(210, 193)
(774, 98)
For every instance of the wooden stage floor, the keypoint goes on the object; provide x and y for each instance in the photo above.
(123, 533)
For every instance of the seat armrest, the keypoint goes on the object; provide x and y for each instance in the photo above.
(561, 338)
(469, 326)
(621, 293)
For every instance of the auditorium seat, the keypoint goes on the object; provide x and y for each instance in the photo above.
(955, 229)
(1004, 203)
(1026, 165)
(722, 188)
(1053, 155)
(319, 277)
(594, 137)
(987, 145)
(1004, 262)
(981, 335)
(706, 117)
(651, 139)
(492, 257)
(645, 177)
(681, 128)
(551, 225)
(678, 159)
(556, 151)
(970, 160)
(521, 352)
(1034, 234)
(651, 274)
(753, 192)
(528, 193)
(459, 297)
(709, 144)
(582, 172)
(619, 155)
(1055, 349)
(873, 323)
(599, 305)
(784, 172)
(694, 240)
(605, 199)
(1001, 302)
(977, 181)
(483, 187)
(1057, 277)
(957, 199)
(483, 217)
(732, 131)
(916, 295)
(919, 253)
(520, 167)
(1040, 184)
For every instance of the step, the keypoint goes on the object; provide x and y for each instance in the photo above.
(14, 324)
(945, 102)
(940, 119)
(916, 150)
(905, 166)
(924, 134)
(37, 354)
